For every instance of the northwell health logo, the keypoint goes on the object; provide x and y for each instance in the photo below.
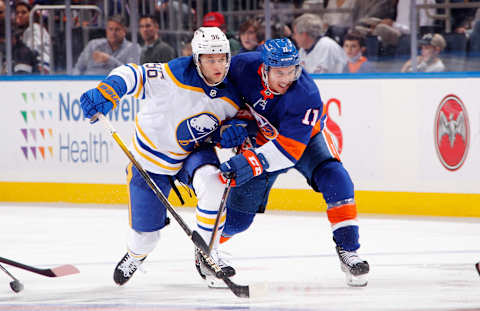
(37, 133)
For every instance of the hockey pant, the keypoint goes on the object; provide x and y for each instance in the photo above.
(147, 215)
(324, 173)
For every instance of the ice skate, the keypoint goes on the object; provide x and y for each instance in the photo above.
(207, 273)
(126, 267)
(356, 269)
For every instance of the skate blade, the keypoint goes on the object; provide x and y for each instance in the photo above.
(356, 281)
(213, 282)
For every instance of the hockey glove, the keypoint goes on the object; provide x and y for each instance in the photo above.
(243, 167)
(231, 133)
(104, 97)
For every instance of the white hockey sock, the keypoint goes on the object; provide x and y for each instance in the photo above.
(209, 190)
(140, 244)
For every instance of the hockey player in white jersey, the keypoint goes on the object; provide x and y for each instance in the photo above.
(185, 101)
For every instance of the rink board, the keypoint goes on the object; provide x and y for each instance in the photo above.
(402, 156)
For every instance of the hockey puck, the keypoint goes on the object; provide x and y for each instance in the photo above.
(16, 286)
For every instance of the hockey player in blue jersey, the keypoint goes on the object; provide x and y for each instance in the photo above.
(184, 102)
(286, 105)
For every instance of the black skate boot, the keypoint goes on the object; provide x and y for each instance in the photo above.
(209, 274)
(126, 268)
(355, 268)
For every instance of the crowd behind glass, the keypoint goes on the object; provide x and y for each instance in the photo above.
(333, 36)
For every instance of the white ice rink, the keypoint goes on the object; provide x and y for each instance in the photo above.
(416, 263)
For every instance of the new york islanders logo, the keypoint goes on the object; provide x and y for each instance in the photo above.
(265, 127)
(195, 129)
(452, 132)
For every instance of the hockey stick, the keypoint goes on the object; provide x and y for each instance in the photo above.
(226, 192)
(223, 203)
(54, 272)
(15, 285)
(238, 290)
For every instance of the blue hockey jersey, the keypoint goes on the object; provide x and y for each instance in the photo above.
(286, 122)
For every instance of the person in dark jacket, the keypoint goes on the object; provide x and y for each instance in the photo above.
(154, 49)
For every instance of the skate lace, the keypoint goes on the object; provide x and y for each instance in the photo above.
(349, 258)
(130, 265)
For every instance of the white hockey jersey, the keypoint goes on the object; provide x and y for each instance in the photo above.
(179, 111)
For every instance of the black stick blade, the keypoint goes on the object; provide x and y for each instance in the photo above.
(241, 291)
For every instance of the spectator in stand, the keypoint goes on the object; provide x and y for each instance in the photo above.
(376, 18)
(2, 29)
(338, 23)
(2, 14)
(354, 46)
(24, 60)
(35, 34)
(216, 19)
(154, 50)
(382, 9)
(428, 61)
(390, 26)
(251, 34)
(318, 53)
(462, 18)
(101, 56)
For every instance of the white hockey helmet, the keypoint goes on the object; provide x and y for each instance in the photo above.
(210, 40)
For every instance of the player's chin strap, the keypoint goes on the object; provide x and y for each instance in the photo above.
(265, 79)
(238, 290)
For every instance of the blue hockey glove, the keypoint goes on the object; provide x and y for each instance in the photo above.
(243, 167)
(92, 101)
(231, 133)
(104, 97)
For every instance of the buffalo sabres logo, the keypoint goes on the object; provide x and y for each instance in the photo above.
(194, 130)
(213, 93)
(452, 132)
(265, 127)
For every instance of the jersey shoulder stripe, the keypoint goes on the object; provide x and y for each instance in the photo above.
(135, 75)
(139, 80)
(180, 84)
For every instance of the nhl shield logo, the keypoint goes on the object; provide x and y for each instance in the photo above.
(195, 129)
(452, 132)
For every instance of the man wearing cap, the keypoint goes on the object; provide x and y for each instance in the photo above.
(428, 61)
(216, 19)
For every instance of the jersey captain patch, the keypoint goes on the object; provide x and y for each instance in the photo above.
(196, 129)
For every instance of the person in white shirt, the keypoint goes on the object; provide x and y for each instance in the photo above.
(318, 53)
(428, 61)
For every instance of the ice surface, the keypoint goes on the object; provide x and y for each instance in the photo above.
(416, 263)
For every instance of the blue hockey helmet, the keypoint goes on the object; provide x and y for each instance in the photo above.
(280, 53)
